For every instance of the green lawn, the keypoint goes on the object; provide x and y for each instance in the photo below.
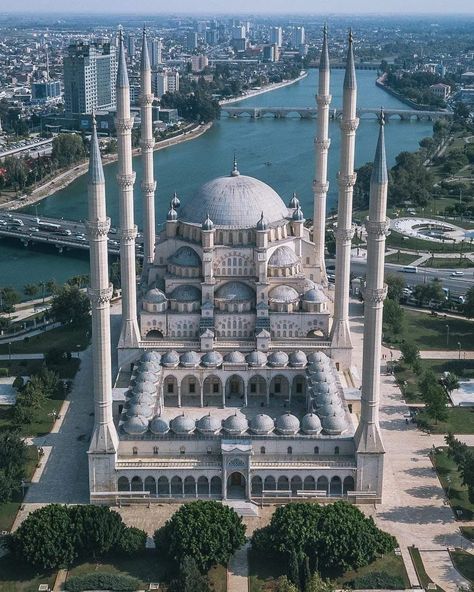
(420, 569)
(468, 532)
(407, 381)
(401, 258)
(464, 563)
(458, 497)
(447, 263)
(429, 332)
(16, 577)
(460, 421)
(66, 369)
(68, 339)
(397, 240)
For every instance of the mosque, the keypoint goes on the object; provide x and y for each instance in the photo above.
(235, 376)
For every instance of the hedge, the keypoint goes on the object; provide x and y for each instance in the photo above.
(102, 581)
(377, 580)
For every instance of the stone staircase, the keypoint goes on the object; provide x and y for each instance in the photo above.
(243, 508)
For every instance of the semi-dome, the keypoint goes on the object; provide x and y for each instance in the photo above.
(235, 292)
(306, 285)
(170, 359)
(315, 295)
(211, 359)
(136, 425)
(261, 424)
(185, 293)
(183, 424)
(185, 257)
(159, 426)
(278, 358)
(235, 425)
(311, 424)
(334, 424)
(190, 359)
(155, 296)
(256, 358)
(283, 257)
(283, 294)
(234, 357)
(209, 424)
(298, 359)
(287, 424)
(232, 202)
(139, 409)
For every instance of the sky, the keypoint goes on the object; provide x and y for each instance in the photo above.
(396, 7)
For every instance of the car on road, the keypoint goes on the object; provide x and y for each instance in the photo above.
(80, 237)
(331, 278)
(457, 273)
(33, 229)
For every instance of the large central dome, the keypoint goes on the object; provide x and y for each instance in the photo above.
(234, 201)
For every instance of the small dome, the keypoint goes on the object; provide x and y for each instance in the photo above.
(159, 426)
(190, 359)
(144, 377)
(152, 367)
(262, 223)
(139, 409)
(170, 359)
(294, 202)
(183, 424)
(136, 425)
(315, 295)
(283, 257)
(209, 424)
(151, 356)
(298, 359)
(144, 388)
(311, 424)
(235, 425)
(256, 358)
(306, 285)
(175, 201)
(323, 388)
(261, 424)
(172, 215)
(234, 357)
(155, 296)
(334, 424)
(319, 375)
(321, 399)
(185, 257)
(235, 292)
(140, 399)
(208, 224)
(185, 293)
(298, 215)
(211, 359)
(333, 407)
(287, 424)
(278, 359)
(317, 357)
(284, 294)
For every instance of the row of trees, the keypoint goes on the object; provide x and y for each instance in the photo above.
(415, 86)
(464, 459)
(12, 464)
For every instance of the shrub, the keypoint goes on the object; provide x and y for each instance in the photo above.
(18, 382)
(101, 581)
(378, 580)
(3, 372)
(132, 541)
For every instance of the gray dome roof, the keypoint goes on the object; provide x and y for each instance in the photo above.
(283, 294)
(153, 367)
(155, 295)
(185, 293)
(315, 295)
(306, 285)
(144, 388)
(208, 224)
(136, 425)
(145, 377)
(139, 409)
(311, 424)
(182, 424)
(319, 375)
(294, 202)
(211, 359)
(256, 358)
(235, 425)
(209, 424)
(334, 424)
(175, 201)
(287, 424)
(190, 359)
(262, 223)
(283, 257)
(151, 356)
(158, 425)
(235, 357)
(172, 215)
(170, 358)
(233, 200)
(298, 359)
(298, 214)
(321, 399)
(332, 407)
(261, 424)
(185, 257)
(278, 359)
(235, 292)
(141, 399)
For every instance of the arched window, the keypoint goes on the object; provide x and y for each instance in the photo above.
(182, 450)
(155, 449)
(123, 484)
(137, 484)
(134, 450)
(262, 449)
(316, 450)
(289, 450)
(336, 450)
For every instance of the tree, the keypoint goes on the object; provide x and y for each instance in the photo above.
(206, 530)
(431, 291)
(97, 530)
(468, 307)
(30, 290)
(395, 285)
(45, 538)
(283, 584)
(362, 186)
(434, 396)
(457, 450)
(393, 316)
(317, 584)
(410, 352)
(294, 568)
(70, 306)
(132, 541)
(190, 578)
(450, 382)
(67, 149)
(12, 464)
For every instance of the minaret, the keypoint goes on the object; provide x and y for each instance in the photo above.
(147, 144)
(104, 442)
(129, 335)
(322, 143)
(368, 440)
(340, 333)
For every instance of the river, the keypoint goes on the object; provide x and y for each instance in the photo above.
(285, 143)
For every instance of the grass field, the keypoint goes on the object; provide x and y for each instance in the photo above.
(464, 563)
(401, 258)
(399, 241)
(65, 369)
(450, 480)
(68, 339)
(420, 570)
(468, 532)
(460, 421)
(16, 577)
(447, 263)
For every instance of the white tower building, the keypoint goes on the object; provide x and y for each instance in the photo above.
(147, 144)
(322, 142)
(104, 443)
(367, 438)
(129, 335)
(340, 334)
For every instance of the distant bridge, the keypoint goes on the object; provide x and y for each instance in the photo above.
(310, 112)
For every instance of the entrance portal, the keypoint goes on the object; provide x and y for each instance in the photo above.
(236, 486)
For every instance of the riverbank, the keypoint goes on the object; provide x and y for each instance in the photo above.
(265, 89)
(65, 178)
(380, 82)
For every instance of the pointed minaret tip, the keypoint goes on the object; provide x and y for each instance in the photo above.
(235, 171)
(96, 171)
(379, 170)
(122, 74)
(350, 81)
(324, 59)
(145, 58)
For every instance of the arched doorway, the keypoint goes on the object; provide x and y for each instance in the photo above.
(348, 484)
(234, 391)
(336, 486)
(257, 394)
(154, 334)
(212, 391)
(236, 486)
(280, 389)
(123, 484)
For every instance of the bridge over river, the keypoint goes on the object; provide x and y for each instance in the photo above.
(310, 112)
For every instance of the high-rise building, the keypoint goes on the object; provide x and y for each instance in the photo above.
(239, 32)
(155, 50)
(297, 37)
(270, 53)
(163, 82)
(276, 36)
(46, 90)
(131, 45)
(199, 62)
(191, 41)
(89, 77)
(212, 36)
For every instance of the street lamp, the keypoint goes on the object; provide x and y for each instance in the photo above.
(459, 350)
(9, 352)
(447, 335)
(448, 479)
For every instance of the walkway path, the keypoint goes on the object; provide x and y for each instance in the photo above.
(21, 357)
(238, 570)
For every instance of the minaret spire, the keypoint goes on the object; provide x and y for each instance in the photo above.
(104, 442)
(147, 143)
(368, 439)
(130, 334)
(322, 143)
(340, 333)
